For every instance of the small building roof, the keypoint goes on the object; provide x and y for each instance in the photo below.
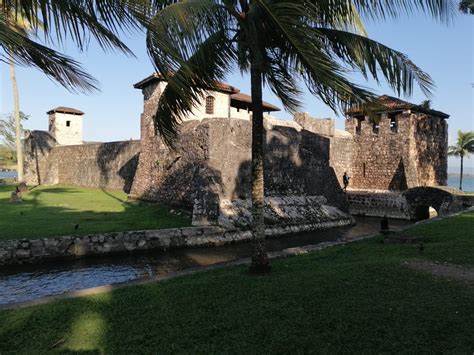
(246, 100)
(393, 104)
(62, 109)
(224, 87)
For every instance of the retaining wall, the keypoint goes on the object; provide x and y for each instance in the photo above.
(37, 250)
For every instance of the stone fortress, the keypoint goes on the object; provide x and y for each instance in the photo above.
(208, 172)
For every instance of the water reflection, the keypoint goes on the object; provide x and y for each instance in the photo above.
(27, 282)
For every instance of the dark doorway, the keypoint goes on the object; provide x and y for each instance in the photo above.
(425, 212)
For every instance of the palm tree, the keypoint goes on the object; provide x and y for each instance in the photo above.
(464, 146)
(57, 20)
(194, 44)
(19, 24)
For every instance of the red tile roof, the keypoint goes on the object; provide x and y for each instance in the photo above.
(393, 103)
(62, 109)
(248, 100)
(224, 87)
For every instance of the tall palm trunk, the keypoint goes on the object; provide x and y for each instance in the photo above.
(462, 168)
(260, 263)
(16, 113)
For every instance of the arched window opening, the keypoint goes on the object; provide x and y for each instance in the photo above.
(210, 105)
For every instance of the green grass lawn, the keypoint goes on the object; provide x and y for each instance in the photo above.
(55, 210)
(355, 298)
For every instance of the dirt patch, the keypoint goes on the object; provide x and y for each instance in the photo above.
(450, 271)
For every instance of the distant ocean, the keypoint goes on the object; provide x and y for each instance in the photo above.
(467, 182)
(7, 174)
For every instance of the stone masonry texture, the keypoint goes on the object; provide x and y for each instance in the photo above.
(66, 247)
(209, 167)
(99, 165)
(414, 155)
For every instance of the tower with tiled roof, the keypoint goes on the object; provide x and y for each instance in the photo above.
(66, 125)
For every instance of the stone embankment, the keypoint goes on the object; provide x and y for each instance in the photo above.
(37, 250)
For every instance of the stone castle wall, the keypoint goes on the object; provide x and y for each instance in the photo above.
(430, 150)
(211, 163)
(101, 165)
(341, 146)
(379, 159)
(413, 155)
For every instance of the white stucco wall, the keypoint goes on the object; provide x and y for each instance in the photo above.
(63, 134)
(242, 113)
(221, 105)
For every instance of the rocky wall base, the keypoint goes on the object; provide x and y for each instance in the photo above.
(281, 212)
(378, 204)
(412, 204)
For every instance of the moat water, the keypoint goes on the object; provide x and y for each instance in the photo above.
(29, 282)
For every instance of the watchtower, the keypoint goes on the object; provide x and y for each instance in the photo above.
(404, 146)
(65, 125)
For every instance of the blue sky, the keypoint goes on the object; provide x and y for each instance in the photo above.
(446, 52)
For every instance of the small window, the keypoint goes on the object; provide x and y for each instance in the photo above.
(375, 128)
(359, 119)
(68, 123)
(393, 122)
(376, 123)
(210, 105)
(363, 169)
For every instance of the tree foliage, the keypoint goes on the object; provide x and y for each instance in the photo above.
(7, 155)
(467, 6)
(54, 21)
(7, 130)
(426, 104)
(464, 145)
(317, 44)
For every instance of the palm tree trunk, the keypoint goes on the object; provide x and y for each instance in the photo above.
(460, 176)
(16, 112)
(260, 262)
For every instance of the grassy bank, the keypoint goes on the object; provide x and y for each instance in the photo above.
(356, 298)
(56, 210)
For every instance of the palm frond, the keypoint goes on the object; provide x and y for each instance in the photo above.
(282, 82)
(56, 66)
(371, 57)
(323, 76)
(191, 63)
(442, 10)
(102, 20)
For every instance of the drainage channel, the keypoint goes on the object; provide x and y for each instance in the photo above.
(29, 282)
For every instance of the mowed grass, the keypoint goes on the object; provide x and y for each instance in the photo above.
(55, 211)
(355, 298)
